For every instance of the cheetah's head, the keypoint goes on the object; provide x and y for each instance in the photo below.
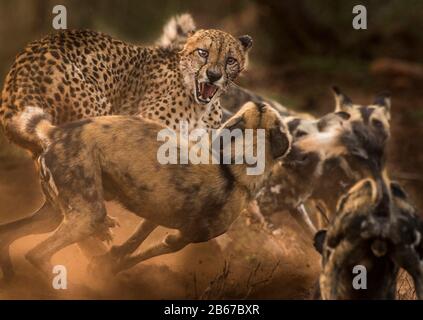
(211, 60)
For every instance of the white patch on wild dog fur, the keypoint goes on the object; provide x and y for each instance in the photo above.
(25, 117)
(170, 37)
(327, 144)
(41, 131)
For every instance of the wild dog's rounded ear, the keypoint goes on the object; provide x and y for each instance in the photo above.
(360, 153)
(341, 203)
(342, 102)
(293, 124)
(279, 142)
(319, 240)
(246, 41)
(364, 190)
(398, 191)
(261, 106)
(344, 115)
(236, 122)
(226, 115)
(383, 99)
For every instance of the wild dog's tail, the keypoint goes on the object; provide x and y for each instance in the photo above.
(176, 31)
(31, 128)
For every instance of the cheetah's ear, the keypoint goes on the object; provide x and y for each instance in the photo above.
(246, 41)
(190, 33)
(190, 39)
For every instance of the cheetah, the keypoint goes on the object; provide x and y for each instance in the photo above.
(117, 155)
(75, 74)
(175, 34)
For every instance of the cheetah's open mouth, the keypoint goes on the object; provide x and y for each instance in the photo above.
(205, 91)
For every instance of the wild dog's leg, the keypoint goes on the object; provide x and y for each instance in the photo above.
(255, 212)
(172, 243)
(417, 275)
(301, 216)
(51, 185)
(92, 247)
(407, 257)
(44, 220)
(322, 214)
(304, 214)
(418, 284)
(141, 233)
(105, 263)
(81, 221)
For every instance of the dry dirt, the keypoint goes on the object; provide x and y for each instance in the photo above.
(253, 264)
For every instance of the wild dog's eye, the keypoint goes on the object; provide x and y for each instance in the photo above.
(203, 53)
(230, 61)
(300, 133)
(377, 123)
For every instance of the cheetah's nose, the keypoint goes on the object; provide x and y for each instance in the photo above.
(213, 75)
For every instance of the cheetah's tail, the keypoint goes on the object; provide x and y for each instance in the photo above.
(176, 31)
(32, 127)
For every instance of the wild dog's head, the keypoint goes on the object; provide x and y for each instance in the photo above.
(364, 143)
(314, 142)
(367, 139)
(256, 116)
(381, 232)
(211, 60)
(357, 237)
(378, 113)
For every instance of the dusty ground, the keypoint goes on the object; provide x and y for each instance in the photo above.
(254, 265)
(283, 266)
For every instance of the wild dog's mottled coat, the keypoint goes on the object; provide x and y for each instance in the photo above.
(329, 155)
(117, 155)
(376, 228)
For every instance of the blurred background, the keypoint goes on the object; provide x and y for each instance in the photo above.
(300, 49)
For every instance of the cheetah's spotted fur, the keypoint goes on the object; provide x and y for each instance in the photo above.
(79, 74)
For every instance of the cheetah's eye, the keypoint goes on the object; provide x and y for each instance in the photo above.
(203, 53)
(230, 61)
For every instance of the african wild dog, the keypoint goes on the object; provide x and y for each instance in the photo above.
(293, 181)
(335, 154)
(375, 227)
(366, 144)
(117, 156)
